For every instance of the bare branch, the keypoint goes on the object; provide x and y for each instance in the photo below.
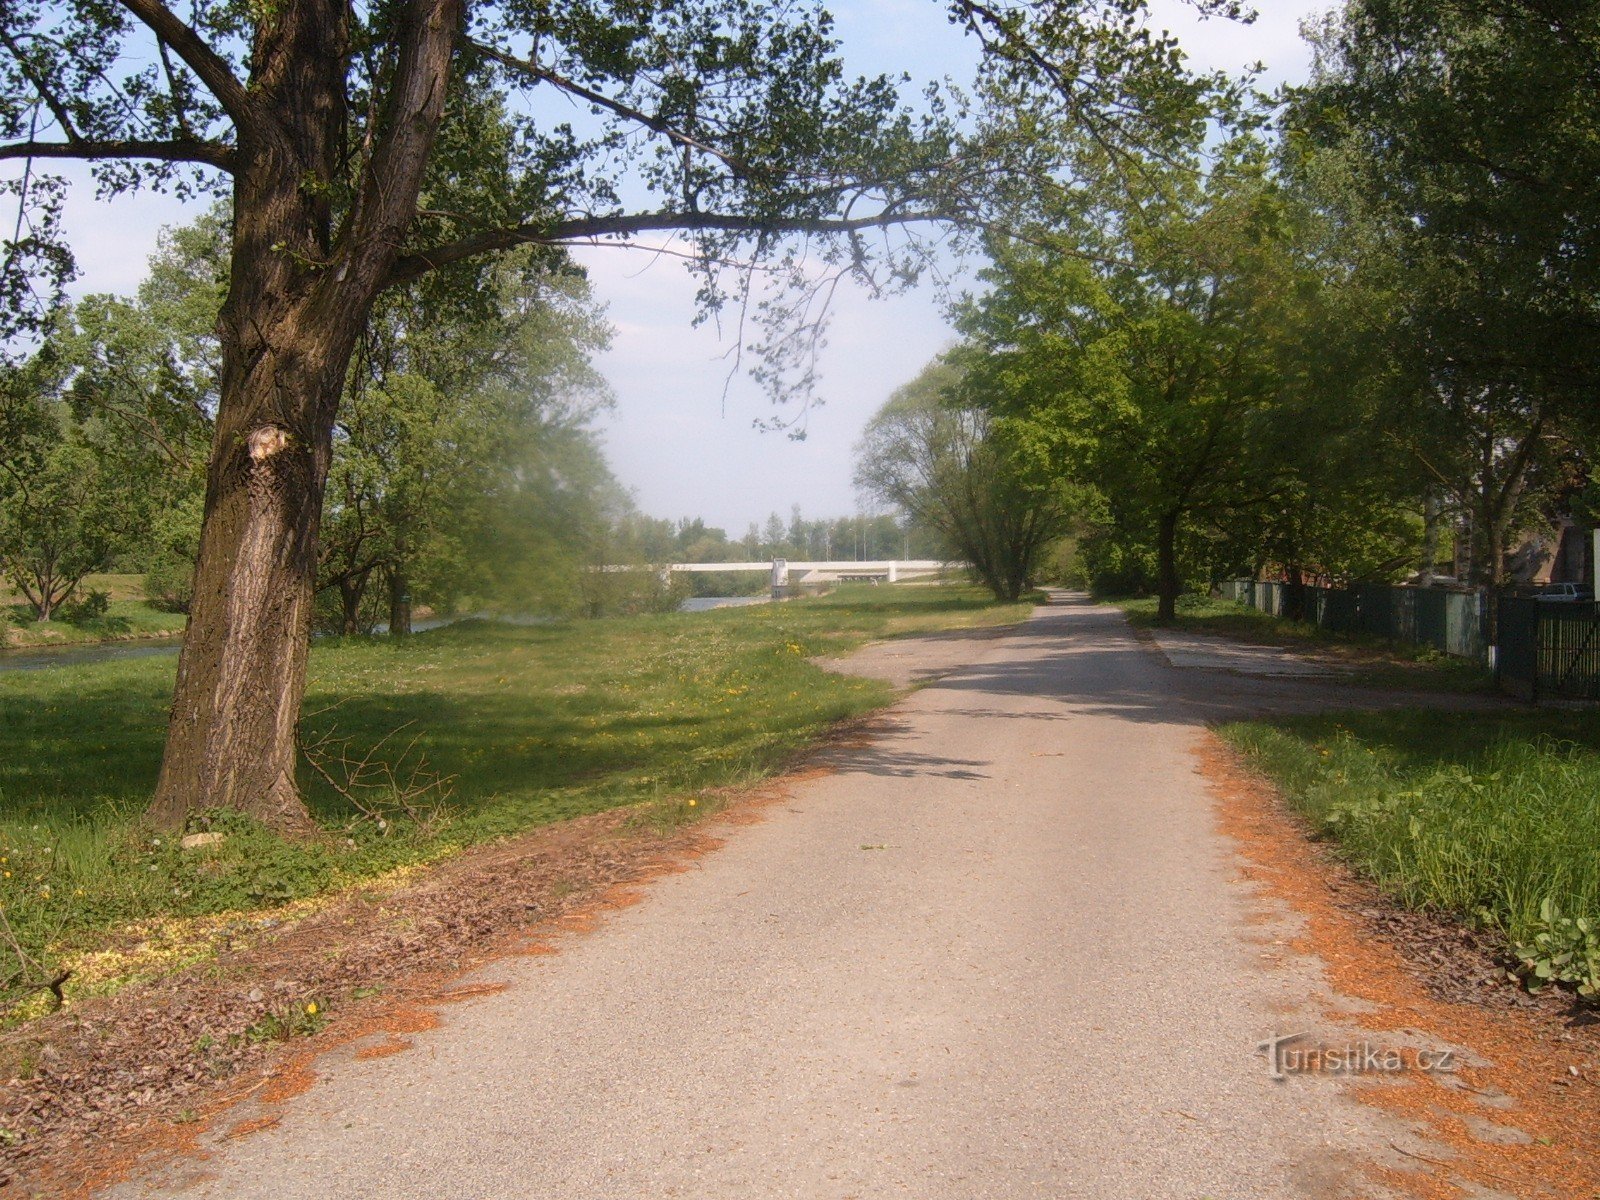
(381, 791)
(212, 154)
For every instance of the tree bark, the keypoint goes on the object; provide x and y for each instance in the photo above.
(1168, 585)
(399, 603)
(1430, 540)
(296, 304)
(241, 673)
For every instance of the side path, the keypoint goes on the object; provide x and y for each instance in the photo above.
(998, 952)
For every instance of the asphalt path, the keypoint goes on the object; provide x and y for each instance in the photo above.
(998, 950)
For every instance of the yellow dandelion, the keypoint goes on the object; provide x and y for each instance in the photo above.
(311, 1009)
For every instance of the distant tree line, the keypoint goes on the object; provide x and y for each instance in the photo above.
(464, 466)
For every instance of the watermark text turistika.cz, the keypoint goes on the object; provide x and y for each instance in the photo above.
(1286, 1056)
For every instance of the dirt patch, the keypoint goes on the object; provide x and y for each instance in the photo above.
(114, 1083)
(1517, 1117)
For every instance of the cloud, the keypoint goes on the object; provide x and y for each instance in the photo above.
(1273, 38)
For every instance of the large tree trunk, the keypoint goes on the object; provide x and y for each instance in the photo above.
(296, 304)
(352, 590)
(1294, 592)
(1168, 585)
(241, 674)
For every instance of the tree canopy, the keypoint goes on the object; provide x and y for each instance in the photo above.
(1456, 147)
(1149, 372)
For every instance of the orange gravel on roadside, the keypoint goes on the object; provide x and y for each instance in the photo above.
(1552, 1121)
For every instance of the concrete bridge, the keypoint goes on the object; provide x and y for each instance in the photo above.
(787, 571)
(788, 576)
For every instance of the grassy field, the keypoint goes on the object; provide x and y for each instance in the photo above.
(534, 724)
(127, 617)
(1491, 817)
(1378, 662)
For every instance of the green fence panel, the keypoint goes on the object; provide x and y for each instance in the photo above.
(1569, 651)
(1431, 611)
(1516, 662)
(1374, 610)
(1339, 610)
(1466, 625)
(1453, 622)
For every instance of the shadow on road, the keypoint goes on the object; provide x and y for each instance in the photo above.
(1082, 659)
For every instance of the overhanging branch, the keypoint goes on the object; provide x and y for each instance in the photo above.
(572, 87)
(46, 93)
(212, 69)
(582, 229)
(579, 229)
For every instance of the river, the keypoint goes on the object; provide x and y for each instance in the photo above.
(706, 603)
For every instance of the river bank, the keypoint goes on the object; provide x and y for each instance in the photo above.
(129, 617)
(65, 650)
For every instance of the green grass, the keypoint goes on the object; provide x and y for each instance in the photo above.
(128, 616)
(1378, 662)
(1491, 817)
(1211, 614)
(536, 724)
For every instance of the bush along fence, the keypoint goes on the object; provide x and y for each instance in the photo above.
(1454, 623)
(1538, 650)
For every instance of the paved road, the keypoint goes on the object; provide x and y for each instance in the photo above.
(1001, 952)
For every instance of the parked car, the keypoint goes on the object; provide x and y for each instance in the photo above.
(1566, 593)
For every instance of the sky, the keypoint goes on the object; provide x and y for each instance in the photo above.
(682, 442)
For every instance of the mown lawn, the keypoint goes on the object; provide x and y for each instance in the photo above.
(1378, 662)
(533, 723)
(1493, 817)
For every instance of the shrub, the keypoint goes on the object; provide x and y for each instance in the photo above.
(169, 584)
(89, 608)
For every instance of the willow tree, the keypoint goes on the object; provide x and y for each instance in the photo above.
(359, 153)
(945, 464)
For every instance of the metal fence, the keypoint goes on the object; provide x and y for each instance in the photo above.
(1548, 651)
(1542, 650)
(1455, 623)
